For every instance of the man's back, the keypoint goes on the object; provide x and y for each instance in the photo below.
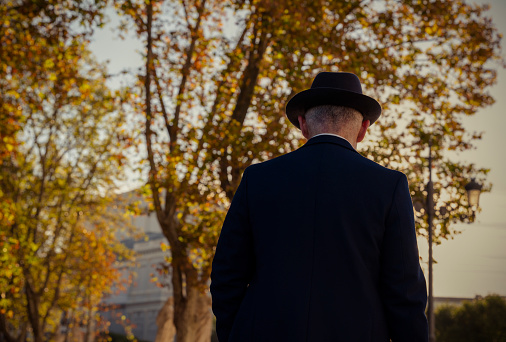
(319, 245)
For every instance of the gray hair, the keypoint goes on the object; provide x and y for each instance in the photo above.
(328, 116)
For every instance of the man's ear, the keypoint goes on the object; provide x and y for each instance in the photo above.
(303, 126)
(363, 130)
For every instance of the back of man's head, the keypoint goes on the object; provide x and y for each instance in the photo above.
(333, 119)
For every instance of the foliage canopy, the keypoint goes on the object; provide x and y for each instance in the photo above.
(58, 242)
(479, 320)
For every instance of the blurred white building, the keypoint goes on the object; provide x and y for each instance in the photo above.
(142, 301)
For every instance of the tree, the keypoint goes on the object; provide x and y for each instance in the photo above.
(218, 74)
(477, 320)
(59, 246)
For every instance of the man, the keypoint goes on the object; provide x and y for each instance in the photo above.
(319, 244)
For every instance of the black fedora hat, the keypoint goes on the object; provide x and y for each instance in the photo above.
(333, 88)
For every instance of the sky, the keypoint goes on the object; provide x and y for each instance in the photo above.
(473, 262)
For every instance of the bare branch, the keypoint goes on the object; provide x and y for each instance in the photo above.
(185, 71)
(147, 85)
(168, 126)
(57, 286)
(187, 17)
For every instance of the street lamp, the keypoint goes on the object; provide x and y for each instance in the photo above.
(473, 190)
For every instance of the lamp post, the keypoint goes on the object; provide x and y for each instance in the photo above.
(430, 216)
(473, 190)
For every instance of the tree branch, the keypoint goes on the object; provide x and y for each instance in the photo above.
(162, 104)
(147, 88)
(185, 71)
(56, 295)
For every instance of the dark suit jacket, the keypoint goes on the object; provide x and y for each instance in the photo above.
(319, 245)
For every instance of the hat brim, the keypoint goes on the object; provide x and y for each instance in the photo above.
(301, 102)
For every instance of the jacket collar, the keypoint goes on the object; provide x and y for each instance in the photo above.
(331, 139)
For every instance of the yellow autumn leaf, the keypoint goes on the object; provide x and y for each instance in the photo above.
(48, 64)
(13, 93)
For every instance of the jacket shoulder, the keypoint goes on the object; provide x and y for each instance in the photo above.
(380, 169)
(282, 161)
(298, 158)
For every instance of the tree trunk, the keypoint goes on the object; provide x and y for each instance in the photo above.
(165, 322)
(195, 321)
(194, 324)
(32, 303)
(191, 315)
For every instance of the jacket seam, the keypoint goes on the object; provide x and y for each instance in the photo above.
(313, 247)
(395, 207)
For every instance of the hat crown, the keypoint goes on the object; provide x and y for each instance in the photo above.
(335, 89)
(338, 80)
